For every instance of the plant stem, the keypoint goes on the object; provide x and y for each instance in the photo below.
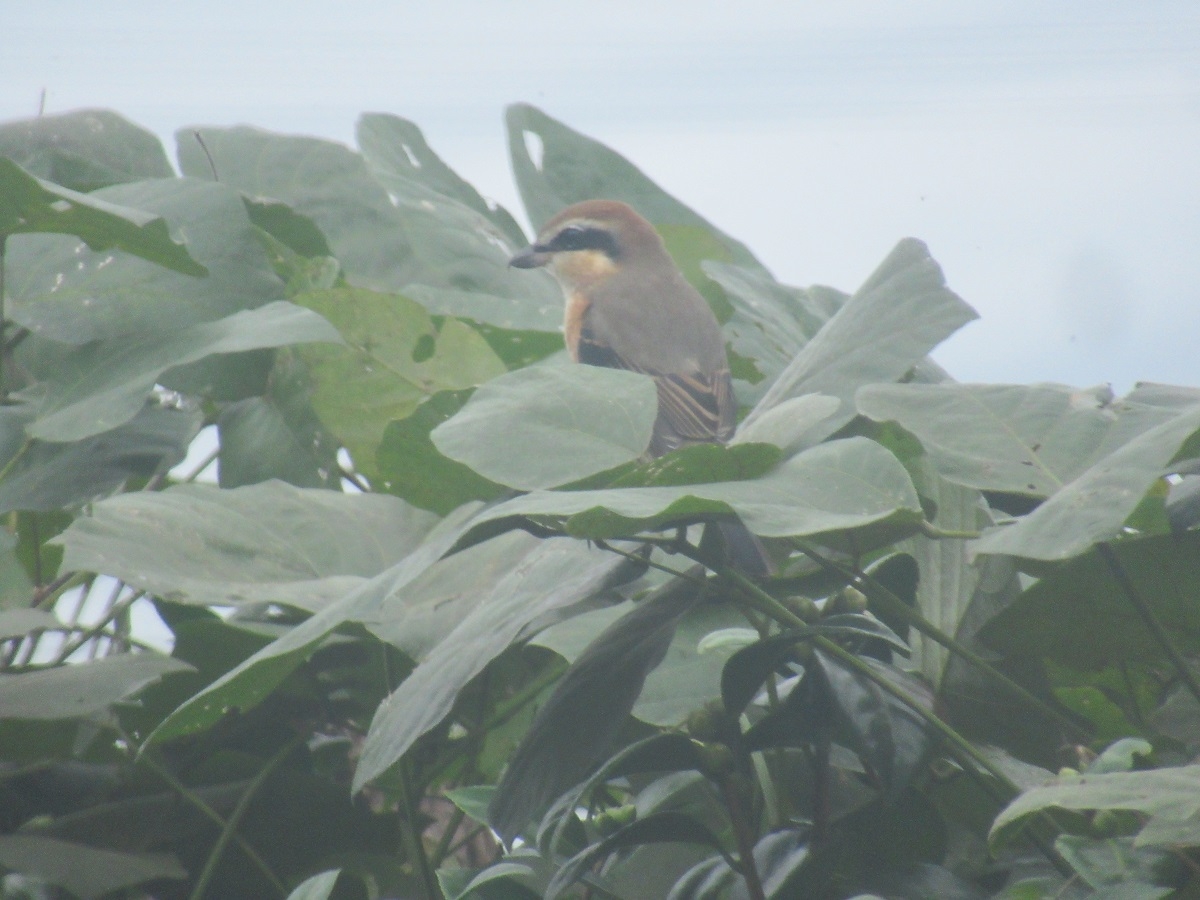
(894, 605)
(411, 836)
(1149, 619)
(235, 818)
(212, 815)
(745, 839)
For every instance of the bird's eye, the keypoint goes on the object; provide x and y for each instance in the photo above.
(585, 237)
(573, 237)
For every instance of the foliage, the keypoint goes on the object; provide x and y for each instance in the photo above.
(416, 592)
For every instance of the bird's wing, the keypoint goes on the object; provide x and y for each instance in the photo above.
(696, 407)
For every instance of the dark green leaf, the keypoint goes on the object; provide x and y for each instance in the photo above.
(277, 434)
(885, 733)
(29, 205)
(667, 827)
(395, 357)
(557, 573)
(576, 726)
(43, 475)
(411, 467)
(1079, 613)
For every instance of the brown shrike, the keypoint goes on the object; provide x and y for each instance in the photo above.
(629, 307)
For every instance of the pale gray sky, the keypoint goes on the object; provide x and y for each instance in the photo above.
(1047, 152)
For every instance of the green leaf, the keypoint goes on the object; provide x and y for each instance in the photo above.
(841, 485)
(473, 800)
(318, 887)
(1169, 798)
(105, 384)
(411, 467)
(666, 827)
(548, 425)
(29, 205)
(83, 690)
(575, 728)
(249, 683)
(278, 434)
(573, 167)
(794, 424)
(1010, 438)
(1115, 864)
(395, 357)
(1080, 615)
(85, 149)
(392, 238)
(689, 676)
(65, 292)
(44, 475)
(1094, 506)
(770, 322)
(397, 154)
(947, 579)
(557, 573)
(698, 464)
(884, 732)
(265, 543)
(87, 872)
(902, 312)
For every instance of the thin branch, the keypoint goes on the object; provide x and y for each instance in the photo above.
(235, 818)
(213, 816)
(1149, 619)
(893, 604)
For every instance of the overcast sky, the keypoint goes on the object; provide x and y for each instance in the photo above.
(1048, 153)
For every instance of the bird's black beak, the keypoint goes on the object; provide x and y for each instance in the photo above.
(531, 257)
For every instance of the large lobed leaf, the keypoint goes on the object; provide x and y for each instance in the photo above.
(1095, 506)
(395, 357)
(265, 543)
(249, 683)
(544, 426)
(900, 313)
(85, 149)
(841, 485)
(554, 575)
(29, 205)
(1168, 798)
(106, 383)
(1080, 615)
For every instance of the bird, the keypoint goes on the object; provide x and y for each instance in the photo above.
(629, 307)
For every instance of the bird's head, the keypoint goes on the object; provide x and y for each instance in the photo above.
(588, 242)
